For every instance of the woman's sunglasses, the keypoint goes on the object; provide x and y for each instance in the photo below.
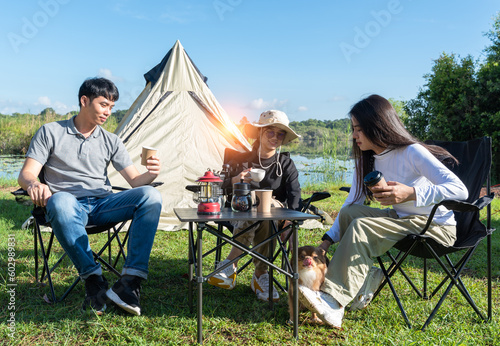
(279, 134)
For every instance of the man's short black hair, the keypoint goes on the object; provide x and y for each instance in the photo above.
(95, 87)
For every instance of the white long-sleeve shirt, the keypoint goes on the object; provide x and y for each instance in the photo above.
(414, 166)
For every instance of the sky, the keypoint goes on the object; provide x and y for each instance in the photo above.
(311, 59)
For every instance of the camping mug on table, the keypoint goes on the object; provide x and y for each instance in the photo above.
(264, 198)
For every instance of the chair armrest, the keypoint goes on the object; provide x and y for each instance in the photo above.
(193, 188)
(19, 192)
(119, 188)
(463, 206)
(316, 196)
(460, 206)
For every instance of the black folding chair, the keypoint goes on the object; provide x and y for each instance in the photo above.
(474, 170)
(39, 222)
(110, 264)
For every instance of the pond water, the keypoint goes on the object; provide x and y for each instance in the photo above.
(311, 169)
(10, 166)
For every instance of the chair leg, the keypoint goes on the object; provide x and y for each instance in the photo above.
(424, 290)
(121, 245)
(54, 266)
(396, 297)
(488, 256)
(454, 281)
(394, 263)
(109, 247)
(77, 280)
(408, 279)
(35, 248)
(45, 260)
(47, 253)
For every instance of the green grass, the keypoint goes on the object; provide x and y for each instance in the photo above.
(230, 317)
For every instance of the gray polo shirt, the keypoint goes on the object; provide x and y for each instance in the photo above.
(75, 164)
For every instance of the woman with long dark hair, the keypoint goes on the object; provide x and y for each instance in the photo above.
(416, 179)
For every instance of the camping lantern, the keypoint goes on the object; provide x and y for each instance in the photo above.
(209, 194)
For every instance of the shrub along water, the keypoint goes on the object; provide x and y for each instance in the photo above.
(17, 130)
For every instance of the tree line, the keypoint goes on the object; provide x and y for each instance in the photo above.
(16, 130)
(319, 137)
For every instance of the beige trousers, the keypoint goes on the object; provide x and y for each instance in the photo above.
(256, 235)
(366, 233)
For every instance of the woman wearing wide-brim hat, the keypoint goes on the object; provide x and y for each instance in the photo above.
(270, 132)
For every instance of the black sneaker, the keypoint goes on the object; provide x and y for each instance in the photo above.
(95, 294)
(126, 293)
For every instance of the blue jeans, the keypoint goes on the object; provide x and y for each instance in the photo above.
(69, 216)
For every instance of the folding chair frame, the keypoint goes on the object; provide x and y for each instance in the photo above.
(113, 234)
(453, 271)
(113, 230)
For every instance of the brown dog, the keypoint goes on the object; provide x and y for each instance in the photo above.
(313, 265)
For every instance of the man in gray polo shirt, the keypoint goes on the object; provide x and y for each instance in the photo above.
(74, 155)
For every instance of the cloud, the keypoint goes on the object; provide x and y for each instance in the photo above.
(8, 106)
(122, 10)
(43, 101)
(62, 108)
(12, 109)
(337, 98)
(302, 109)
(257, 104)
(177, 18)
(106, 73)
(260, 104)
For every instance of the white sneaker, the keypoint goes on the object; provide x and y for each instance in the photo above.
(324, 305)
(261, 288)
(226, 278)
(365, 295)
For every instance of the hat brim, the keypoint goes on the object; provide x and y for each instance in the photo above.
(252, 131)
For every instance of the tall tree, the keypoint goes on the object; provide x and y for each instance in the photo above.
(488, 93)
(444, 108)
(461, 99)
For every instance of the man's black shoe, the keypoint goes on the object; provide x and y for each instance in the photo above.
(95, 294)
(126, 294)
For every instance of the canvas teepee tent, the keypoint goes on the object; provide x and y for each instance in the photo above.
(178, 114)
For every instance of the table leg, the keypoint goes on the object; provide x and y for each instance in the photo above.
(272, 230)
(190, 269)
(199, 281)
(295, 266)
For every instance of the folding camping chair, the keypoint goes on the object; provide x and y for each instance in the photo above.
(113, 233)
(474, 158)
